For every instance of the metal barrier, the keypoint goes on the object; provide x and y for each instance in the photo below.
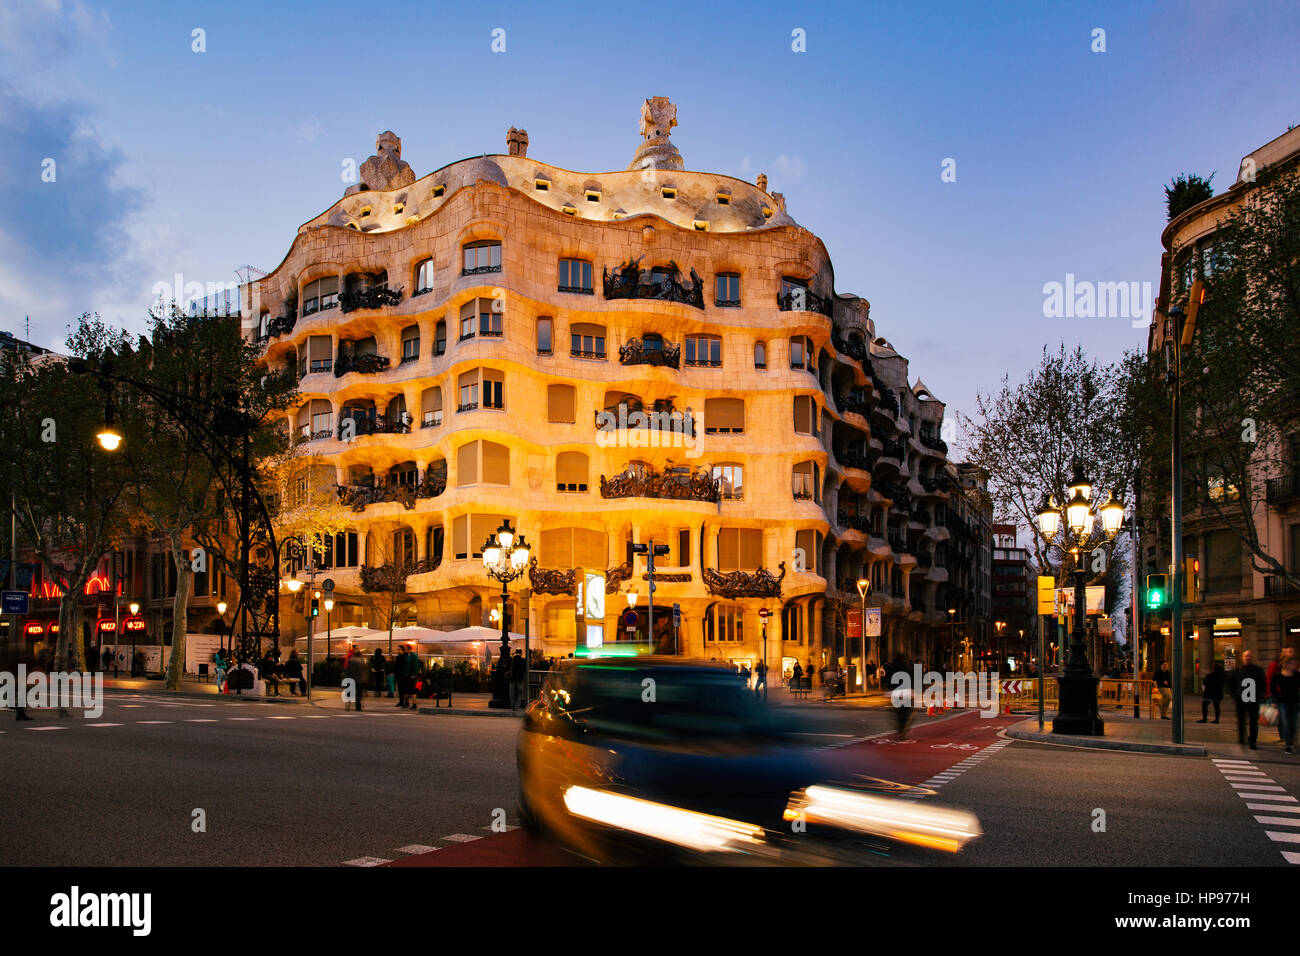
(1021, 695)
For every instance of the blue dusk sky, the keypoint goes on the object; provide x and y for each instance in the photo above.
(172, 161)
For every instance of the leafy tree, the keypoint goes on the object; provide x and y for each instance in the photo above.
(1184, 192)
(1028, 436)
(64, 489)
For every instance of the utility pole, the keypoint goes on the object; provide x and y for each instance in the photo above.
(1173, 354)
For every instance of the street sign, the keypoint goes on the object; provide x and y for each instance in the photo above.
(629, 620)
(14, 602)
(327, 584)
(1015, 686)
(763, 612)
(677, 615)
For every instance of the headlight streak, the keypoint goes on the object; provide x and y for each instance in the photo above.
(941, 828)
(696, 831)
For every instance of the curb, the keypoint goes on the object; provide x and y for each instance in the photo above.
(1105, 743)
(200, 695)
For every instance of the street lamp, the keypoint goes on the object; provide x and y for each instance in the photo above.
(505, 558)
(221, 611)
(110, 436)
(864, 588)
(329, 626)
(1077, 685)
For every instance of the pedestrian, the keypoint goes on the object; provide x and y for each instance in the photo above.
(220, 666)
(1212, 692)
(903, 703)
(1274, 669)
(377, 669)
(518, 675)
(410, 670)
(356, 670)
(1285, 691)
(760, 679)
(796, 676)
(268, 673)
(10, 658)
(293, 671)
(1247, 684)
(1164, 687)
(106, 659)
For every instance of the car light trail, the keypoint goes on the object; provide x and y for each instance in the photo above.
(941, 828)
(697, 831)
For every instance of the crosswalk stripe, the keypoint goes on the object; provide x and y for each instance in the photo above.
(461, 838)
(1252, 795)
(366, 861)
(1291, 857)
(1283, 837)
(1278, 821)
(417, 848)
(1256, 786)
(1222, 762)
(1272, 808)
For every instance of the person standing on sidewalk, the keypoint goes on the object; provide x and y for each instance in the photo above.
(760, 679)
(1165, 688)
(518, 675)
(1212, 691)
(410, 670)
(377, 668)
(1248, 687)
(1286, 693)
(356, 671)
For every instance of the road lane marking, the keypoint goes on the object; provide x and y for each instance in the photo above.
(1256, 786)
(1278, 821)
(98, 724)
(366, 861)
(460, 838)
(241, 718)
(155, 721)
(47, 728)
(1251, 795)
(200, 720)
(417, 848)
(1283, 837)
(1272, 808)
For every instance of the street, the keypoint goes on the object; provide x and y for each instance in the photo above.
(310, 784)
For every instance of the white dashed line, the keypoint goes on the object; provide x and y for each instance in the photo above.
(417, 848)
(200, 720)
(47, 728)
(366, 861)
(98, 724)
(460, 838)
(155, 721)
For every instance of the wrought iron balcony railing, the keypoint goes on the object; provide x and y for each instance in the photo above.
(635, 352)
(371, 298)
(804, 300)
(934, 444)
(893, 448)
(367, 363)
(852, 458)
(675, 484)
(281, 325)
(357, 497)
(854, 402)
(740, 584)
(392, 576)
(1286, 488)
(1277, 586)
(629, 281)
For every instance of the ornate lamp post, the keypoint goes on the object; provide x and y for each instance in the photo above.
(505, 558)
(296, 550)
(221, 612)
(1077, 686)
(864, 588)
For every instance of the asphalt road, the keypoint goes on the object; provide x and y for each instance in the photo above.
(302, 784)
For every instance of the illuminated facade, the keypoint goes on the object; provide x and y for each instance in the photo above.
(650, 355)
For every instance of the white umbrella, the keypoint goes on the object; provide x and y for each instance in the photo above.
(476, 633)
(419, 635)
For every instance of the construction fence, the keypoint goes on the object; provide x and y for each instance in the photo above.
(1021, 695)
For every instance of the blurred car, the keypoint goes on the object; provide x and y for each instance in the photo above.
(635, 760)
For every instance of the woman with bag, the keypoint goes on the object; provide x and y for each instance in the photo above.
(1286, 694)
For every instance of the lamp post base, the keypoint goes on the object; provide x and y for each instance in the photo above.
(1078, 707)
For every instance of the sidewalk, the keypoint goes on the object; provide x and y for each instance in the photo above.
(329, 697)
(1153, 735)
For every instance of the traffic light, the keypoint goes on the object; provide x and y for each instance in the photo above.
(1157, 591)
(315, 604)
(1191, 580)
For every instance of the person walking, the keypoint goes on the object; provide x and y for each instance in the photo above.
(10, 658)
(760, 679)
(903, 708)
(1285, 691)
(1212, 692)
(796, 677)
(409, 670)
(518, 675)
(106, 660)
(378, 666)
(356, 671)
(1274, 669)
(1248, 686)
(1165, 688)
(221, 666)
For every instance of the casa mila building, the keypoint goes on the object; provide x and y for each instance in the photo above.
(651, 355)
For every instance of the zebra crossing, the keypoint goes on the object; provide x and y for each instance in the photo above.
(1273, 808)
(457, 839)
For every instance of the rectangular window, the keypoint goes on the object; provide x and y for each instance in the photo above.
(440, 339)
(424, 277)
(468, 384)
(467, 313)
(467, 464)
(804, 415)
(560, 403)
(410, 344)
(728, 290)
(575, 276)
(496, 463)
(481, 257)
(544, 328)
(490, 318)
(731, 478)
(807, 541)
(740, 549)
(684, 548)
(724, 416)
(431, 407)
(493, 389)
(588, 341)
(704, 350)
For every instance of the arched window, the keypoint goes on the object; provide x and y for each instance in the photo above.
(410, 344)
(571, 471)
(482, 461)
(805, 486)
(482, 257)
(423, 277)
